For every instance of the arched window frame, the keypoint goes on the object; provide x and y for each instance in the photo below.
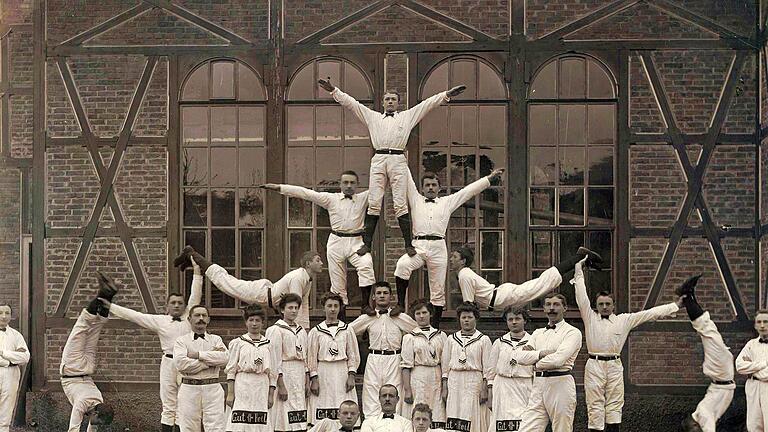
(550, 240)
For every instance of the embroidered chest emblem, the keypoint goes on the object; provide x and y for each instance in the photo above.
(258, 361)
(333, 351)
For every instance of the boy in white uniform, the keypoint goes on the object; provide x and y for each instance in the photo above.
(753, 362)
(13, 355)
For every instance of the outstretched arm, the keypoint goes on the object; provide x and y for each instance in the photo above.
(196, 294)
(361, 111)
(582, 298)
(472, 189)
(652, 314)
(322, 199)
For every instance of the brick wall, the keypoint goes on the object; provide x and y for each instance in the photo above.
(10, 211)
(544, 16)
(658, 185)
(644, 114)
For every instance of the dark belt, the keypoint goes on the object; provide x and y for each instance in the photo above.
(428, 237)
(493, 299)
(75, 376)
(195, 381)
(723, 382)
(604, 358)
(383, 352)
(390, 151)
(341, 234)
(552, 373)
(269, 297)
(752, 377)
(170, 356)
(12, 365)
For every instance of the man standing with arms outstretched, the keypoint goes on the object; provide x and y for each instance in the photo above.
(346, 210)
(168, 328)
(389, 133)
(606, 334)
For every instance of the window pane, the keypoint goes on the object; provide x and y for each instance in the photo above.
(462, 166)
(492, 208)
(328, 124)
(328, 166)
(463, 72)
(542, 127)
(224, 167)
(571, 206)
(542, 206)
(252, 126)
(571, 166)
(195, 125)
(570, 241)
(572, 78)
(355, 132)
(251, 208)
(433, 128)
(322, 240)
(358, 159)
(222, 207)
(223, 80)
(195, 207)
(601, 206)
(461, 237)
(249, 85)
(223, 247)
(196, 87)
(300, 123)
(223, 125)
(542, 166)
(601, 165)
(194, 168)
(298, 243)
(303, 84)
(544, 85)
(541, 249)
(436, 161)
(572, 124)
(491, 159)
(598, 281)
(602, 125)
(600, 242)
(322, 219)
(436, 82)
(463, 124)
(302, 162)
(600, 85)
(493, 276)
(493, 121)
(252, 166)
(492, 247)
(328, 70)
(355, 84)
(196, 239)
(299, 213)
(219, 299)
(464, 216)
(490, 85)
(250, 275)
(250, 248)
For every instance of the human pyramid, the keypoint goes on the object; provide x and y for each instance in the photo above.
(417, 378)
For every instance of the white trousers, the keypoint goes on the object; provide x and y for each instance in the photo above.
(553, 399)
(434, 254)
(379, 370)
(509, 294)
(201, 404)
(604, 391)
(757, 405)
(340, 250)
(9, 390)
(169, 390)
(392, 169)
(718, 366)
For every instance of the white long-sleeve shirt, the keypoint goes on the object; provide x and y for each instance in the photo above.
(607, 336)
(167, 328)
(332, 344)
(389, 132)
(13, 348)
(467, 353)
(564, 339)
(209, 362)
(79, 354)
(289, 342)
(247, 355)
(347, 215)
(753, 359)
(423, 348)
(384, 332)
(431, 218)
(504, 355)
(475, 288)
(378, 423)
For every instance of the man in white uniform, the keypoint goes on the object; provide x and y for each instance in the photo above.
(349, 414)
(199, 356)
(389, 133)
(262, 291)
(753, 362)
(552, 350)
(606, 334)
(385, 332)
(13, 355)
(168, 327)
(488, 296)
(718, 364)
(431, 215)
(387, 420)
(346, 210)
(78, 363)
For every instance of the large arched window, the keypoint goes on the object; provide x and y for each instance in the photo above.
(462, 142)
(223, 113)
(571, 147)
(322, 140)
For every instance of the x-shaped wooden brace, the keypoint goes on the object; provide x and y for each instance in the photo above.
(106, 193)
(694, 178)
